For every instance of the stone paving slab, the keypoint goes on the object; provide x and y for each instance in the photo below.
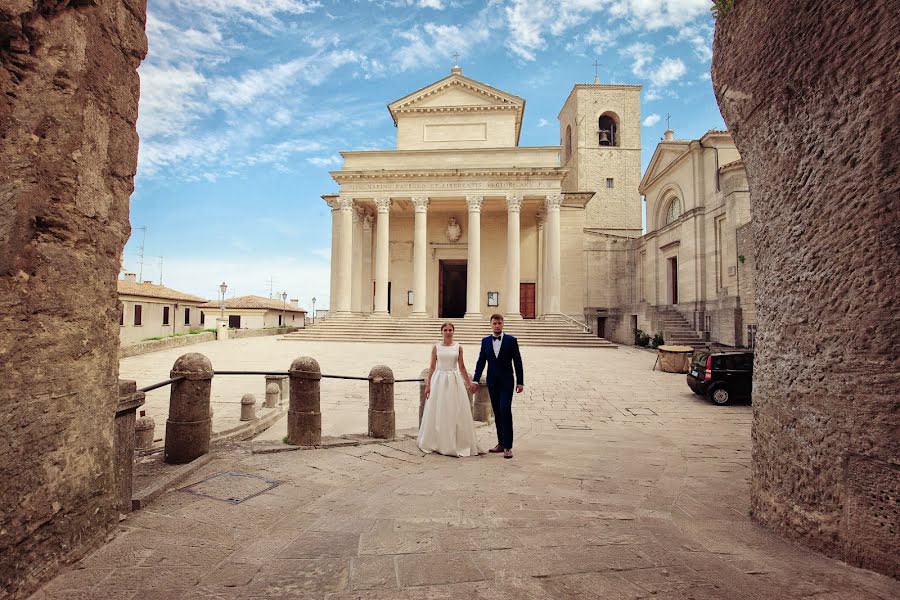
(598, 502)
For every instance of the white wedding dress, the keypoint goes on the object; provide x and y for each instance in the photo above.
(447, 426)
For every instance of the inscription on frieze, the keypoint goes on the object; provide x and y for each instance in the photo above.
(450, 186)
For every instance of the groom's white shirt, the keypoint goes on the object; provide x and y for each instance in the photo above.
(496, 344)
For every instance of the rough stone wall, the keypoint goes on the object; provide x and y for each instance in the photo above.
(68, 150)
(810, 92)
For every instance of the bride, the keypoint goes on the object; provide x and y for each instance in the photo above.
(447, 426)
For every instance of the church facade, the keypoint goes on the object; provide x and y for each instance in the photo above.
(462, 221)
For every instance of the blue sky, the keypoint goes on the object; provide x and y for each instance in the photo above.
(245, 105)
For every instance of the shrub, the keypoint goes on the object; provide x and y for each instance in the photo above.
(658, 340)
(641, 339)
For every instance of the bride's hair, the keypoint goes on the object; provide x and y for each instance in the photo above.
(445, 323)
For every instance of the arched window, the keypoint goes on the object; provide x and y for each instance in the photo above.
(608, 130)
(568, 142)
(674, 210)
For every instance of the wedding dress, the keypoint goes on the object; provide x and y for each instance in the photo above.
(447, 426)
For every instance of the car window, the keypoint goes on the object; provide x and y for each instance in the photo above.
(700, 359)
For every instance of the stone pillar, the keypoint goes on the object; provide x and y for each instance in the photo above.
(552, 241)
(248, 407)
(420, 256)
(482, 410)
(282, 382)
(273, 395)
(513, 256)
(334, 289)
(382, 255)
(539, 294)
(422, 398)
(825, 443)
(221, 329)
(473, 268)
(189, 425)
(129, 401)
(368, 301)
(304, 416)
(345, 262)
(358, 215)
(382, 420)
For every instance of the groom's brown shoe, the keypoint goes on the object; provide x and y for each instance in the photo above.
(507, 453)
(497, 448)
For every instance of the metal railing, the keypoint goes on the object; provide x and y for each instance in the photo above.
(155, 386)
(584, 326)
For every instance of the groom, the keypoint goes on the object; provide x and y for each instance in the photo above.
(501, 353)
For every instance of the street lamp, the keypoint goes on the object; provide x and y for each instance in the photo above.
(283, 303)
(222, 289)
(314, 309)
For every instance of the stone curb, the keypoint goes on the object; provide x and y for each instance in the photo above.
(328, 443)
(249, 429)
(148, 495)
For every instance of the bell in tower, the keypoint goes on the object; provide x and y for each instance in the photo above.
(604, 138)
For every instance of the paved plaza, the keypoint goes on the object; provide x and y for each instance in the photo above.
(624, 485)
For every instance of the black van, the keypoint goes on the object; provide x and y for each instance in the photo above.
(722, 375)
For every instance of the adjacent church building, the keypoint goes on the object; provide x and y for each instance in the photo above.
(460, 221)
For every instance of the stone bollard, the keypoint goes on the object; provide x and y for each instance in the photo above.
(382, 420)
(273, 395)
(143, 431)
(129, 401)
(482, 410)
(282, 381)
(304, 416)
(248, 407)
(189, 425)
(422, 395)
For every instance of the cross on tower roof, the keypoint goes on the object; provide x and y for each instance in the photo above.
(455, 59)
(596, 72)
(668, 116)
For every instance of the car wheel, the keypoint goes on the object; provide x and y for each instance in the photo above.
(720, 396)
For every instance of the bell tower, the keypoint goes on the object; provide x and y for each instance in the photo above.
(600, 141)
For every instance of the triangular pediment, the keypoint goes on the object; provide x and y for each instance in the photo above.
(664, 156)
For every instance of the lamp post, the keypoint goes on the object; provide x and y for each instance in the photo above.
(222, 289)
(283, 306)
(314, 309)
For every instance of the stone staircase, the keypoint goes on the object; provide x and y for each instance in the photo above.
(536, 332)
(676, 330)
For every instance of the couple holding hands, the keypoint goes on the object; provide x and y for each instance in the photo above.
(447, 425)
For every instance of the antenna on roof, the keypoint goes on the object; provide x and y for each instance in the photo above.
(143, 239)
(160, 269)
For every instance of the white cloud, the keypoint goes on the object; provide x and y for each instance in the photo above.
(705, 76)
(245, 10)
(435, 4)
(324, 161)
(433, 43)
(659, 75)
(651, 120)
(671, 69)
(543, 123)
(641, 55)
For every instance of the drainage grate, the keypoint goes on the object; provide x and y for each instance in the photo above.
(232, 486)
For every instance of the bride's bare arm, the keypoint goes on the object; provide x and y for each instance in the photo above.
(462, 369)
(430, 371)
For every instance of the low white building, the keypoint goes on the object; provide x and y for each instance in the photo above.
(155, 311)
(257, 312)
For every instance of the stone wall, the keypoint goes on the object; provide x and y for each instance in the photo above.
(68, 150)
(169, 342)
(236, 334)
(809, 90)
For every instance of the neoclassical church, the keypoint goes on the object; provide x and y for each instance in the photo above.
(460, 221)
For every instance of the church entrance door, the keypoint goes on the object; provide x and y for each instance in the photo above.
(526, 300)
(452, 289)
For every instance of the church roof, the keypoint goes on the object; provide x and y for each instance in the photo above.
(484, 98)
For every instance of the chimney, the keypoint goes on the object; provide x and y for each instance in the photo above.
(130, 278)
(295, 302)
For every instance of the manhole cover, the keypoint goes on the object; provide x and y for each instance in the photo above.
(641, 411)
(232, 487)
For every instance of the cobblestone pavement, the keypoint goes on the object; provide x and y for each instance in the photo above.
(624, 485)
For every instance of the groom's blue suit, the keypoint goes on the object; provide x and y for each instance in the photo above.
(500, 382)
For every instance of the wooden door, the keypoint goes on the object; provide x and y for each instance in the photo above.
(673, 265)
(527, 300)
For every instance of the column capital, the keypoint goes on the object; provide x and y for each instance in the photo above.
(474, 203)
(333, 203)
(513, 202)
(421, 203)
(383, 203)
(368, 220)
(553, 201)
(345, 202)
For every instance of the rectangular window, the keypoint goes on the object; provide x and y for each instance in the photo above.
(187, 316)
(137, 315)
(234, 321)
(279, 321)
(165, 315)
(751, 336)
(202, 318)
(609, 182)
(122, 316)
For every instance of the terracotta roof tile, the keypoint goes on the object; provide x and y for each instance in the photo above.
(152, 290)
(257, 302)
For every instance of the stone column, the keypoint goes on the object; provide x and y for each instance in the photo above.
(345, 263)
(304, 408)
(189, 426)
(382, 255)
(421, 251)
(473, 268)
(382, 419)
(366, 280)
(358, 215)
(334, 290)
(539, 293)
(552, 240)
(513, 256)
